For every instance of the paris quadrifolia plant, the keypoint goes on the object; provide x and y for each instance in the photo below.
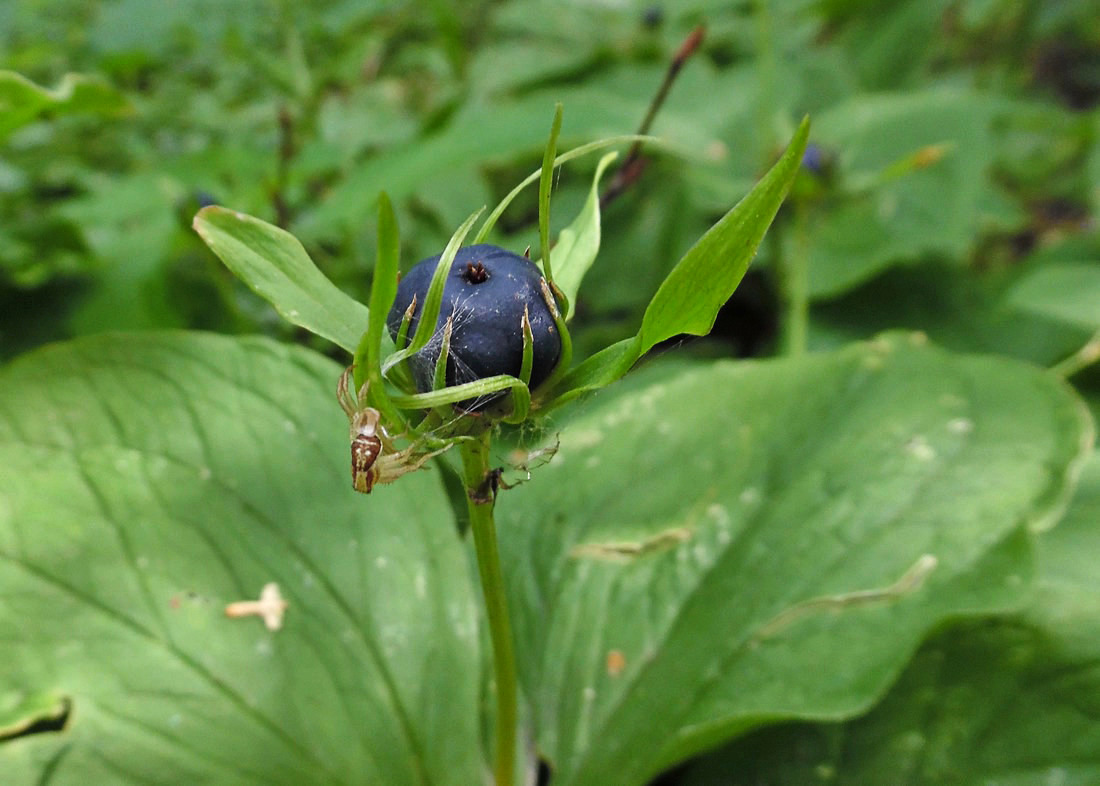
(478, 337)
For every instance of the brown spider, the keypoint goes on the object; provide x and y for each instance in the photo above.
(374, 456)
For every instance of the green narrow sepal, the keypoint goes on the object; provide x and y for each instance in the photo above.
(368, 356)
(521, 404)
(546, 180)
(528, 349)
(565, 357)
(456, 393)
(433, 301)
(406, 320)
(439, 380)
(564, 158)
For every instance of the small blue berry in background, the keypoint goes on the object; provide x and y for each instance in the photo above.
(815, 159)
(653, 17)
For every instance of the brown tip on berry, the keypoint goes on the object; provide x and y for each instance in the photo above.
(475, 273)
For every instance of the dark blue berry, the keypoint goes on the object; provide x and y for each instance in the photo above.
(486, 292)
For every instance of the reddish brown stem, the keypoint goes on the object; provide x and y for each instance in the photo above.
(287, 152)
(634, 164)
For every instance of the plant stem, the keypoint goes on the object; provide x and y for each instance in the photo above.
(767, 68)
(792, 265)
(633, 165)
(1079, 360)
(479, 500)
(287, 151)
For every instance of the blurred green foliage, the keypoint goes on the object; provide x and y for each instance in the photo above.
(955, 149)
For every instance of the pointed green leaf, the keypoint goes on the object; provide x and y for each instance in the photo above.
(802, 525)
(599, 370)
(579, 242)
(565, 358)
(274, 265)
(439, 379)
(150, 480)
(528, 350)
(703, 280)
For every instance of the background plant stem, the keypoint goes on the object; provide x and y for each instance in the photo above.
(480, 499)
(766, 100)
(1079, 360)
(792, 267)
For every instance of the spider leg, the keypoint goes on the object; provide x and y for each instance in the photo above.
(504, 485)
(391, 466)
(351, 402)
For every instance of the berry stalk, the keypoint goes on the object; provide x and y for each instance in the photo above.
(480, 499)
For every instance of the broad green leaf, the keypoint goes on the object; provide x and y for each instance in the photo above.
(276, 267)
(579, 242)
(1066, 292)
(1011, 703)
(773, 557)
(22, 101)
(149, 481)
(689, 298)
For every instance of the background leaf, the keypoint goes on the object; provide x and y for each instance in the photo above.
(1066, 292)
(959, 309)
(931, 208)
(153, 479)
(276, 267)
(1008, 702)
(647, 627)
(22, 101)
